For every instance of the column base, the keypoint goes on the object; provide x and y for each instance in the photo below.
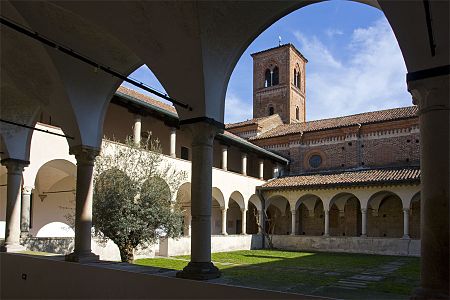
(363, 235)
(12, 248)
(424, 294)
(199, 271)
(224, 233)
(82, 257)
(406, 237)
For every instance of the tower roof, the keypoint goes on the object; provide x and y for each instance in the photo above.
(279, 47)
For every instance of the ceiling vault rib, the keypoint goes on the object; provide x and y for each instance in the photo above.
(46, 41)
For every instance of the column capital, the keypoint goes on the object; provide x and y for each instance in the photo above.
(203, 133)
(243, 155)
(364, 210)
(430, 93)
(293, 211)
(405, 209)
(14, 166)
(243, 210)
(223, 209)
(26, 190)
(85, 155)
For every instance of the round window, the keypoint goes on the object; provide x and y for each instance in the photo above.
(315, 161)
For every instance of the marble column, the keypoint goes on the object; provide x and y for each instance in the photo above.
(200, 267)
(25, 212)
(327, 222)
(13, 202)
(293, 222)
(261, 169)
(137, 129)
(363, 222)
(173, 142)
(244, 221)
(432, 97)
(406, 223)
(85, 157)
(224, 157)
(244, 164)
(224, 221)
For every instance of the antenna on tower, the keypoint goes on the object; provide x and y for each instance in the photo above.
(279, 40)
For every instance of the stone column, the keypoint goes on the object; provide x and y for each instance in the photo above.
(137, 130)
(85, 157)
(260, 218)
(363, 222)
(224, 157)
(327, 222)
(173, 142)
(433, 99)
(406, 223)
(244, 221)
(244, 164)
(276, 171)
(25, 215)
(224, 221)
(200, 267)
(13, 198)
(293, 222)
(261, 169)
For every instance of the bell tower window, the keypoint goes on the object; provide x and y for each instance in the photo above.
(271, 111)
(275, 76)
(297, 113)
(268, 78)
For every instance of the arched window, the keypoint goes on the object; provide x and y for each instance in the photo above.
(295, 77)
(297, 113)
(271, 112)
(275, 76)
(297, 80)
(267, 78)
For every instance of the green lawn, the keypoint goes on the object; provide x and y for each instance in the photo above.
(305, 272)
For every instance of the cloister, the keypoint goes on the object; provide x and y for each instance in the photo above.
(41, 73)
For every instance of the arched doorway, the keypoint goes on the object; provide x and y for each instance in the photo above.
(345, 215)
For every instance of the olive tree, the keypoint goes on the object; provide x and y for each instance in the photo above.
(133, 188)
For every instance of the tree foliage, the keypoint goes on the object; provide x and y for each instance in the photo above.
(133, 188)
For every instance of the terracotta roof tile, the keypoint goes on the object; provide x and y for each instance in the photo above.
(348, 178)
(363, 118)
(146, 99)
(248, 122)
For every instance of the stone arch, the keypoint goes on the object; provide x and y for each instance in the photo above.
(414, 216)
(184, 199)
(218, 203)
(310, 215)
(278, 216)
(385, 215)
(254, 211)
(53, 197)
(345, 215)
(56, 229)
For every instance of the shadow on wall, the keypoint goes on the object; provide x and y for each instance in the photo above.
(63, 245)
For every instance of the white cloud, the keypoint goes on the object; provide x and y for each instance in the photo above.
(369, 76)
(236, 109)
(331, 32)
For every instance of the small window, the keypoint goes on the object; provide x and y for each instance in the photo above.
(267, 78)
(184, 153)
(297, 113)
(275, 76)
(271, 112)
(315, 161)
(297, 81)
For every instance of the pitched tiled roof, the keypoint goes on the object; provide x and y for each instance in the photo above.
(364, 118)
(249, 122)
(146, 99)
(348, 178)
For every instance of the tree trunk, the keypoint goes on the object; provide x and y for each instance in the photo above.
(126, 253)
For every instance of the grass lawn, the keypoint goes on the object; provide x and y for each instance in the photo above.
(304, 272)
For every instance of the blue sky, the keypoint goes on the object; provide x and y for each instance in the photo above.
(355, 64)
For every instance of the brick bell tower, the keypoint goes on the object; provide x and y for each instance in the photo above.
(279, 84)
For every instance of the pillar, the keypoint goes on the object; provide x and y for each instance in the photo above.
(327, 222)
(406, 223)
(25, 212)
(261, 169)
(137, 130)
(260, 221)
(432, 96)
(173, 142)
(224, 221)
(13, 198)
(85, 157)
(363, 222)
(276, 171)
(200, 267)
(293, 222)
(244, 164)
(224, 157)
(244, 221)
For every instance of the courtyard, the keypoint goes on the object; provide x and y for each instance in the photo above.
(337, 275)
